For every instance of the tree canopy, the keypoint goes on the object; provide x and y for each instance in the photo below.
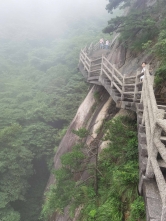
(113, 4)
(40, 91)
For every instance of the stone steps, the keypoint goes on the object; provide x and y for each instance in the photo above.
(95, 82)
(152, 200)
(93, 78)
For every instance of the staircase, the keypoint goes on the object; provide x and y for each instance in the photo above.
(130, 93)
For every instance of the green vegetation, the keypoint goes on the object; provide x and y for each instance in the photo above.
(138, 27)
(37, 93)
(113, 4)
(40, 91)
(142, 29)
(117, 178)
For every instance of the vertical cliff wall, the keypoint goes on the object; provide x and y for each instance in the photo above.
(90, 115)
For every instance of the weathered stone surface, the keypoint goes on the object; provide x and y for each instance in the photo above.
(153, 208)
(152, 200)
(82, 115)
(142, 138)
(141, 128)
(151, 2)
(151, 190)
(142, 163)
(139, 118)
(142, 150)
(99, 121)
(163, 215)
(141, 181)
(140, 106)
(122, 56)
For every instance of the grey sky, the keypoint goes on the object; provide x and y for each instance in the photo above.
(22, 17)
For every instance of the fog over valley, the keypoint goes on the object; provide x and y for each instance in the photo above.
(33, 19)
(41, 90)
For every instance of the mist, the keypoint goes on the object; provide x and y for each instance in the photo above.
(46, 18)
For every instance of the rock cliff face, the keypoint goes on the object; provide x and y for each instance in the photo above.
(82, 116)
(90, 115)
(127, 62)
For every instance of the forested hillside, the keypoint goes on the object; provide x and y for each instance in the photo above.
(40, 91)
(111, 190)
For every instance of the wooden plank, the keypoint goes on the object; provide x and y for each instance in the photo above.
(129, 92)
(95, 65)
(96, 59)
(129, 85)
(130, 77)
(161, 107)
(139, 83)
(93, 78)
(95, 70)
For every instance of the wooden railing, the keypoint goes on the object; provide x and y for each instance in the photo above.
(129, 92)
(92, 67)
(153, 119)
(96, 46)
(91, 48)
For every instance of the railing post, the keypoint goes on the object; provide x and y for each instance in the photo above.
(123, 82)
(102, 59)
(89, 68)
(92, 47)
(101, 71)
(136, 87)
(80, 56)
(85, 61)
(113, 72)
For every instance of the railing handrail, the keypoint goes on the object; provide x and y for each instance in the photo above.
(104, 58)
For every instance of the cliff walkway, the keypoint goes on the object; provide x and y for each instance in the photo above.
(130, 93)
